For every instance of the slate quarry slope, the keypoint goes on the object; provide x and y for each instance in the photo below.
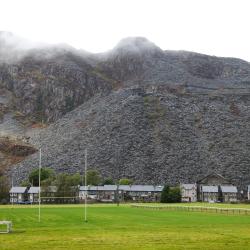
(151, 137)
(143, 113)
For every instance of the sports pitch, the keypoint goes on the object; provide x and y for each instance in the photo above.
(123, 227)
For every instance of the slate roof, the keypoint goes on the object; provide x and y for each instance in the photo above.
(188, 186)
(33, 190)
(18, 190)
(229, 189)
(210, 189)
(210, 175)
(100, 188)
(131, 188)
(141, 188)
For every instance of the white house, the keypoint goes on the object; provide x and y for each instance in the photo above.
(188, 192)
(33, 194)
(18, 194)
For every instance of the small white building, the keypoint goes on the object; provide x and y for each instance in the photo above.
(248, 192)
(188, 192)
(18, 194)
(33, 194)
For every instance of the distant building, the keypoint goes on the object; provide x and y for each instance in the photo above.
(99, 193)
(33, 194)
(48, 194)
(214, 188)
(209, 193)
(248, 192)
(18, 194)
(229, 193)
(108, 193)
(145, 193)
(188, 192)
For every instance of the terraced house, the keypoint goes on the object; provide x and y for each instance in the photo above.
(125, 192)
(18, 194)
(214, 188)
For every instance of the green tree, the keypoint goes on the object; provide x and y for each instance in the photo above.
(170, 195)
(175, 194)
(108, 181)
(4, 189)
(67, 186)
(165, 194)
(93, 177)
(75, 179)
(125, 181)
(45, 174)
(25, 183)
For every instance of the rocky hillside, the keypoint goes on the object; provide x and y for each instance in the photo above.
(151, 115)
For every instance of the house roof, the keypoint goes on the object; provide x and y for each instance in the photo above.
(100, 188)
(33, 190)
(188, 186)
(213, 174)
(133, 188)
(229, 189)
(210, 189)
(18, 190)
(141, 188)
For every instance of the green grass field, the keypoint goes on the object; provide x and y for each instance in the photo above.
(123, 227)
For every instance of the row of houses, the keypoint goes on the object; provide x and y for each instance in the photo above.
(105, 193)
(212, 188)
(220, 193)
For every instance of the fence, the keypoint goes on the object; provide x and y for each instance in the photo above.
(236, 211)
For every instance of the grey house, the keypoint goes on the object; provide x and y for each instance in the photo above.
(106, 193)
(214, 187)
(18, 194)
(209, 193)
(109, 193)
(141, 192)
(229, 193)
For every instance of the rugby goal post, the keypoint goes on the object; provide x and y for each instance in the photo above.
(8, 226)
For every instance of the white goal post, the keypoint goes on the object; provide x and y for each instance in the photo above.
(8, 226)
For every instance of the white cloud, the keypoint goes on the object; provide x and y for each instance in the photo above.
(206, 26)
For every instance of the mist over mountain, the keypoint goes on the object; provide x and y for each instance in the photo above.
(144, 113)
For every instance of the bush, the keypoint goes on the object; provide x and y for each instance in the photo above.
(170, 195)
(3, 202)
(108, 181)
(125, 181)
(46, 173)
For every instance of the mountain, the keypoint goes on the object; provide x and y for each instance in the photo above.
(144, 113)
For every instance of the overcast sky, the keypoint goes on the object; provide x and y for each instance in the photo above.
(215, 27)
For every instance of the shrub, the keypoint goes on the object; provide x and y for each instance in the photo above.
(170, 195)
